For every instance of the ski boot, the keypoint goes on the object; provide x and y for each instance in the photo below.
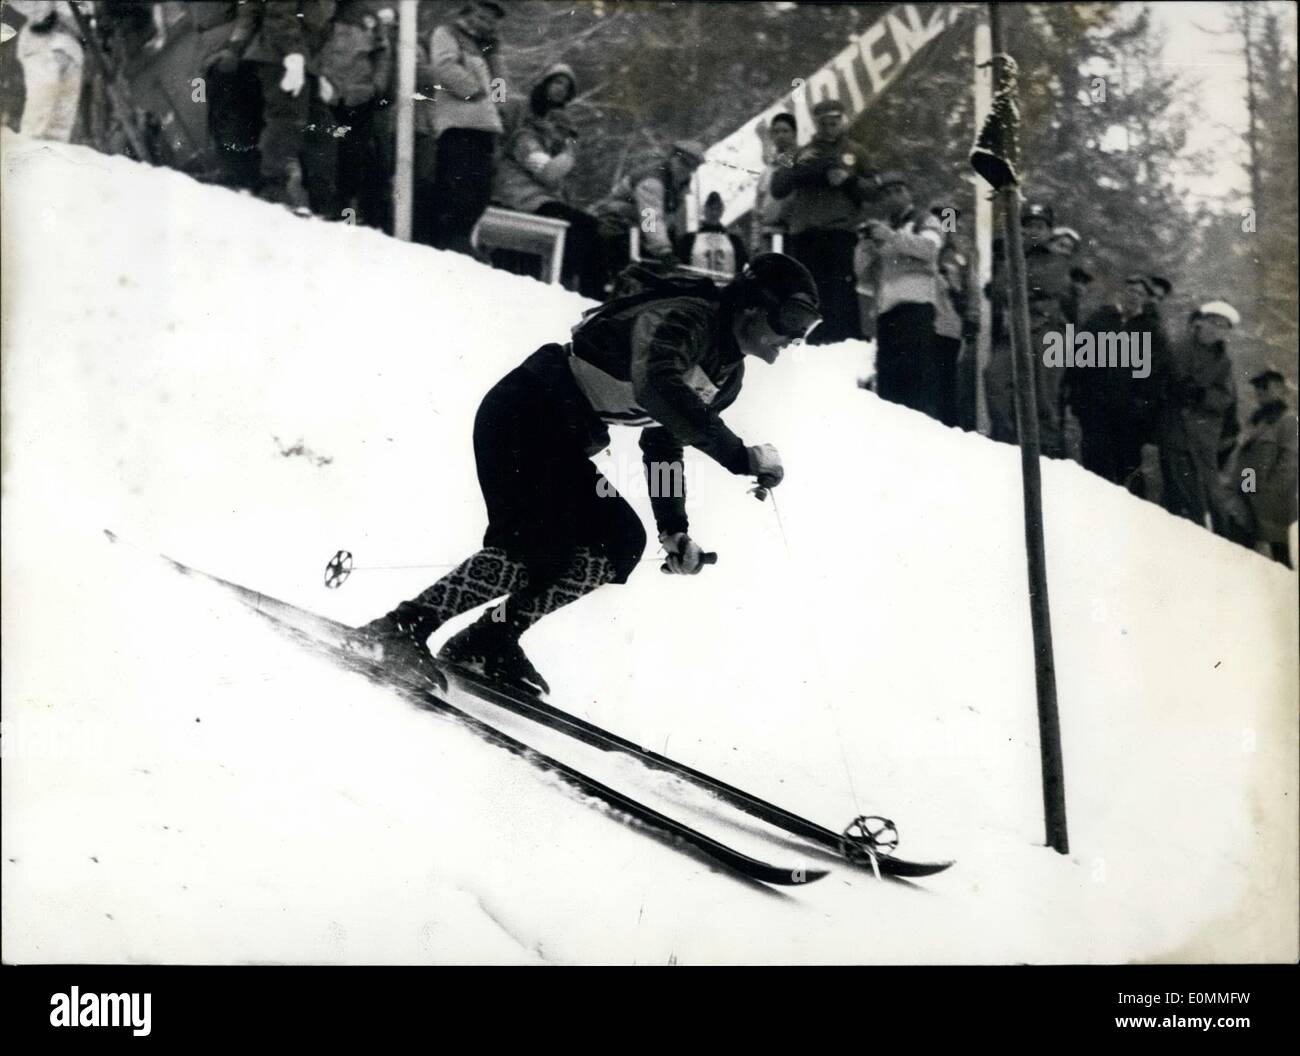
(491, 650)
(397, 641)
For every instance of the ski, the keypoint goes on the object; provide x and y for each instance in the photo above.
(327, 637)
(856, 848)
(848, 847)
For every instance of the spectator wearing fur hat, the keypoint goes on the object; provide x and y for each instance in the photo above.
(1198, 422)
(828, 185)
(1261, 474)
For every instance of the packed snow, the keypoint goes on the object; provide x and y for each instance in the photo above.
(216, 379)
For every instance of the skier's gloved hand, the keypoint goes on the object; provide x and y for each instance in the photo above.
(326, 90)
(685, 557)
(765, 464)
(295, 74)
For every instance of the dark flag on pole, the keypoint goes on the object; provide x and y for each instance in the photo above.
(996, 155)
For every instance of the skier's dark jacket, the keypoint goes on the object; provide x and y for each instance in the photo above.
(668, 363)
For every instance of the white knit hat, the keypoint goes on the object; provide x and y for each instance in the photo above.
(1220, 308)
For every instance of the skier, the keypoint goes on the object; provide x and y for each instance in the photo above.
(666, 355)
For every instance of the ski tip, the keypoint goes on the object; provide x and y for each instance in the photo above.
(902, 868)
(112, 536)
(796, 877)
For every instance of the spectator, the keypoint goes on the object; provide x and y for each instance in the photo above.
(1065, 242)
(358, 62)
(1261, 477)
(651, 198)
(1053, 301)
(712, 248)
(539, 153)
(953, 324)
(299, 155)
(769, 214)
(49, 49)
(1117, 411)
(1199, 413)
(234, 93)
(906, 252)
(957, 268)
(464, 64)
(828, 184)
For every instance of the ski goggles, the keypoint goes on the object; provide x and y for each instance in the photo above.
(795, 317)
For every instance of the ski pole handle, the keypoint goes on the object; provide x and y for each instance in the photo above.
(708, 557)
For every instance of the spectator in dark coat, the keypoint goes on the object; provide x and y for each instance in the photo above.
(712, 248)
(1199, 416)
(1053, 301)
(539, 153)
(828, 185)
(233, 90)
(359, 62)
(1116, 410)
(466, 71)
(284, 39)
(1261, 475)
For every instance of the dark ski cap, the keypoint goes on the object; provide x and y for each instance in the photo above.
(788, 290)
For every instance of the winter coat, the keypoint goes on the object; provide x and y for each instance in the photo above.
(907, 261)
(648, 190)
(1202, 396)
(50, 28)
(1102, 395)
(769, 212)
(815, 204)
(1268, 447)
(1053, 297)
(668, 365)
(1198, 419)
(956, 313)
(534, 162)
(276, 28)
(463, 69)
(356, 58)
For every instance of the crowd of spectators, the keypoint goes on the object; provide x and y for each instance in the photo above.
(299, 112)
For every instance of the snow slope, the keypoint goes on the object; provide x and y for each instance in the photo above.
(250, 392)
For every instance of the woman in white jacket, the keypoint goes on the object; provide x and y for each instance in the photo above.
(49, 48)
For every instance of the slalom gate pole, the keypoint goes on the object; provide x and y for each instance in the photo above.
(999, 141)
(404, 176)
